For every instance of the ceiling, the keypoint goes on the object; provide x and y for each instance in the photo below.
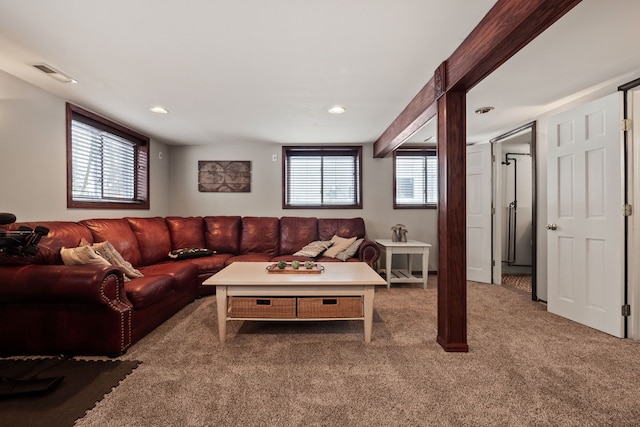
(234, 71)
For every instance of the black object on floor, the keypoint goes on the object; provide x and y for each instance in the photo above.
(11, 387)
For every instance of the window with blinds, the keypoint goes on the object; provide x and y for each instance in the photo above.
(415, 172)
(107, 163)
(322, 177)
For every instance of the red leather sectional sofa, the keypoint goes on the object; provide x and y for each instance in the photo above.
(47, 307)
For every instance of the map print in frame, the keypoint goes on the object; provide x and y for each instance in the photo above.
(224, 176)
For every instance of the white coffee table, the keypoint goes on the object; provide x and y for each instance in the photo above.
(410, 247)
(338, 280)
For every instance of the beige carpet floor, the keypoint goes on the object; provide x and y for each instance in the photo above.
(525, 367)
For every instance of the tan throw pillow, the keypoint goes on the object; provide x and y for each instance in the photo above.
(82, 255)
(314, 249)
(339, 245)
(108, 252)
(350, 251)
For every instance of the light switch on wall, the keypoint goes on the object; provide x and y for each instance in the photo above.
(159, 155)
(274, 157)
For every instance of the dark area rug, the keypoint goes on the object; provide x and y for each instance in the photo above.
(518, 281)
(84, 383)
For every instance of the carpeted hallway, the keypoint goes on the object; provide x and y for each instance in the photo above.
(525, 367)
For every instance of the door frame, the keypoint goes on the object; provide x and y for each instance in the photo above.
(496, 244)
(631, 193)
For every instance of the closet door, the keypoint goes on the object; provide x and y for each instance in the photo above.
(479, 213)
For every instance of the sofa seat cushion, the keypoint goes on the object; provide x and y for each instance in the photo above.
(327, 259)
(248, 258)
(210, 264)
(184, 273)
(145, 291)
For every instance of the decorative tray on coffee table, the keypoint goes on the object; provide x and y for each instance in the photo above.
(288, 269)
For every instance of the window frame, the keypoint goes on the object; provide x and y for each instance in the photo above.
(412, 151)
(141, 161)
(320, 150)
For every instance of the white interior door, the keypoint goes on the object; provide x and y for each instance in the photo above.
(479, 213)
(585, 223)
(496, 225)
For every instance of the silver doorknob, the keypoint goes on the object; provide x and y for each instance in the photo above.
(552, 227)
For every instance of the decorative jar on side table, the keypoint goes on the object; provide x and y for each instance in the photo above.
(408, 248)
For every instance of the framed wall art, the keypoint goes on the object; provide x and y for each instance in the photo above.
(224, 176)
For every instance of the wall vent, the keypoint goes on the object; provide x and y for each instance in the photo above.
(55, 74)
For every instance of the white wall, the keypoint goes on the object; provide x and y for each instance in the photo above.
(33, 165)
(265, 198)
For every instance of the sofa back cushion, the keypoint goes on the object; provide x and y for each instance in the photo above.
(186, 232)
(296, 232)
(117, 232)
(61, 234)
(260, 235)
(222, 234)
(342, 227)
(153, 238)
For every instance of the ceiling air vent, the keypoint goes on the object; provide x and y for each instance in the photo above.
(55, 74)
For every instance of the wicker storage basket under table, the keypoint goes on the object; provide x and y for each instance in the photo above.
(262, 307)
(328, 307)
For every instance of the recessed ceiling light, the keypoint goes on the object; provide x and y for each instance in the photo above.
(159, 110)
(336, 109)
(483, 110)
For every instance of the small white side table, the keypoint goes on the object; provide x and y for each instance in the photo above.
(408, 248)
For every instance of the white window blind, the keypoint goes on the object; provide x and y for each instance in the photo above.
(416, 178)
(103, 164)
(108, 163)
(322, 177)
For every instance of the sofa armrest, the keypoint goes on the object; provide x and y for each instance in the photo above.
(82, 284)
(368, 252)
